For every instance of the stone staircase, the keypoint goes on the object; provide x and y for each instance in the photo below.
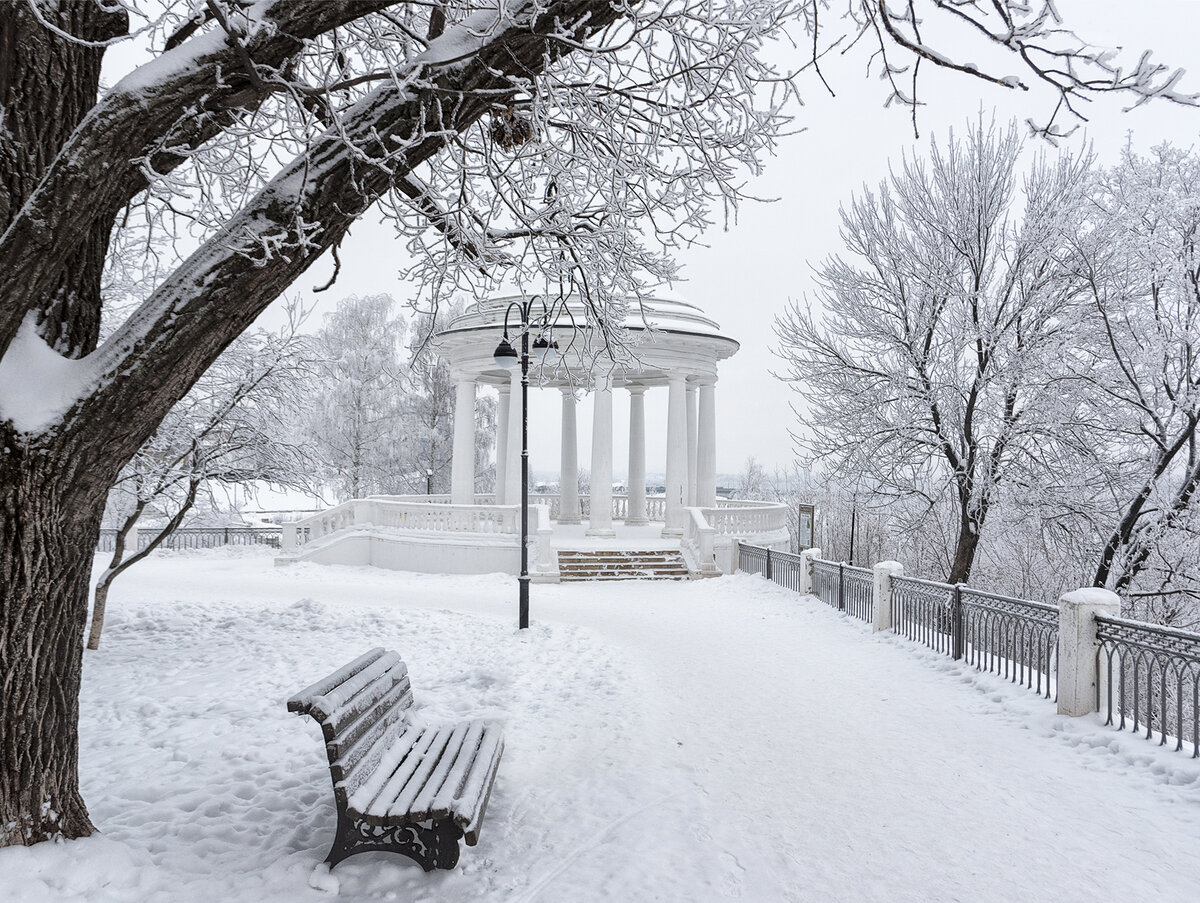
(658, 564)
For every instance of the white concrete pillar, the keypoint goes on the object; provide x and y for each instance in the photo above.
(1078, 674)
(502, 442)
(462, 465)
(568, 472)
(706, 447)
(677, 455)
(600, 518)
(512, 458)
(691, 433)
(635, 513)
(806, 570)
(881, 602)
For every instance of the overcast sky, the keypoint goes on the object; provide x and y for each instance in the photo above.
(748, 273)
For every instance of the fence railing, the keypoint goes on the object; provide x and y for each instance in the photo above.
(1015, 638)
(781, 567)
(844, 587)
(198, 538)
(1147, 677)
(1150, 680)
(922, 611)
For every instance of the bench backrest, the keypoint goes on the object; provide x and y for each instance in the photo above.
(361, 707)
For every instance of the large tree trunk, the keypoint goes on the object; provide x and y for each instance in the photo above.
(53, 485)
(49, 524)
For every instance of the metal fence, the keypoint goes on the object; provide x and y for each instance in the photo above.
(923, 610)
(1150, 679)
(200, 538)
(1015, 638)
(781, 567)
(1149, 676)
(845, 587)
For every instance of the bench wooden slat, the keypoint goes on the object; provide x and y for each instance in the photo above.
(326, 705)
(438, 802)
(401, 805)
(355, 705)
(302, 700)
(420, 798)
(364, 756)
(478, 787)
(371, 782)
(392, 706)
(375, 808)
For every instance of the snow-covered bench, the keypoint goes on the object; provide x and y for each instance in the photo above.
(398, 787)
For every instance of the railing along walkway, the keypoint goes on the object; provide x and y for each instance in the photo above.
(1149, 675)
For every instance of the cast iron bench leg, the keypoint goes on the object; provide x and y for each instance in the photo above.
(432, 847)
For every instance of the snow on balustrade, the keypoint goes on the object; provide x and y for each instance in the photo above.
(394, 514)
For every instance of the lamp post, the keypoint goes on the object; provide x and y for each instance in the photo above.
(507, 357)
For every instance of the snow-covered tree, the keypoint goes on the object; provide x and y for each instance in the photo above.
(934, 370)
(1138, 261)
(231, 429)
(355, 423)
(570, 142)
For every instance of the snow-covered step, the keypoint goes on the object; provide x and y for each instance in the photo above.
(621, 565)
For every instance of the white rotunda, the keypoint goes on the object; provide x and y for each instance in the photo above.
(660, 343)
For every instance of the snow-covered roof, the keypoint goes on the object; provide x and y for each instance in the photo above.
(665, 311)
(654, 337)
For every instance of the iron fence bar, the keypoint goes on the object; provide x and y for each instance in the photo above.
(841, 586)
(956, 623)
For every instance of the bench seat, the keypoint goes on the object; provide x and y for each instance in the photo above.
(398, 786)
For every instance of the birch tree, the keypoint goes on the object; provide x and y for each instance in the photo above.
(570, 142)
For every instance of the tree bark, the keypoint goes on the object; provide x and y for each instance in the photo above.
(49, 524)
(47, 86)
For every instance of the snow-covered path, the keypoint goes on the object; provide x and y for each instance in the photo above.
(674, 742)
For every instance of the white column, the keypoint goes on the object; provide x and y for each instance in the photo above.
(691, 428)
(677, 448)
(706, 447)
(568, 472)
(600, 518)
(1079, 678)
(501, 442)
(462, 466)
(512, 457)
(635, 514)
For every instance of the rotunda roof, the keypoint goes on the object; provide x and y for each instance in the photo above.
(654, 337)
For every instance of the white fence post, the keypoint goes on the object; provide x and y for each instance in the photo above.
(1078, 674)
(806, 570)
(735, 554)
(881, 608)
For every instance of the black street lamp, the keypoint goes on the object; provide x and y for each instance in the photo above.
(507, 357)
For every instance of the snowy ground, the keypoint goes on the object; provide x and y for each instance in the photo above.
(674, 742)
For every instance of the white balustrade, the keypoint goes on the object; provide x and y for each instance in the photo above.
(388, 513)
(747, 518)
(698, 541)
(436, 514)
